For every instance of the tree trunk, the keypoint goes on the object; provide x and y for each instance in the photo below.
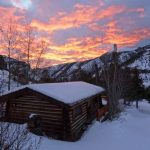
(137, 104)
(9, 70)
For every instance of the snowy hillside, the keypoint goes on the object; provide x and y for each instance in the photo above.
(18, 68)
(130, 132)
(143, 62)
(146, 79)
(138, 58)
(4, 82)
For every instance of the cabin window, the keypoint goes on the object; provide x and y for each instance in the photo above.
(77, 111)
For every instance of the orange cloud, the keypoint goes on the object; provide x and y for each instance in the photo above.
(11, 12)
(90, 46)
(140, 11)
(115, 34)
(82, 15)
(79, 44)
(76, 49)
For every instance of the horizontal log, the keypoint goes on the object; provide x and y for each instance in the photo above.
(32, 98)
(25, 114)
(53, 131)
(77, 117)
(79, 125)
(44, 120)
(79, 104)
(43, 107)
(82, 119)
(78, 128)
(26, 98)
(72, 119)
(27, 110)
(52, 123)
(52, 119)
(33, 102)
(42, 110)
(52, 126)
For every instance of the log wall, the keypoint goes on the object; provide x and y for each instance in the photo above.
(51, 114)
(79, 123)
(58, 120)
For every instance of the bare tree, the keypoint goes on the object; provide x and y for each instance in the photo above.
(9, 41)
(27, 45)
(24, 45)
(17, 137)
(42, 47)
(28, 41)
(2, 82)
(33, 48)
(116, 81)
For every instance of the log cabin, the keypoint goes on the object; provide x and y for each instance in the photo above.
(59, 110)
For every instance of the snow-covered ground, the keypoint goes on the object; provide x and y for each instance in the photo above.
(4, 82)
(130, 132)
(146, 79)
(143, 62)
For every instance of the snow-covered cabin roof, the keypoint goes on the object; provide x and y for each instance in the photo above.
(67, 92)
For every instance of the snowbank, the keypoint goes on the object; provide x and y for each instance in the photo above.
(130, 132)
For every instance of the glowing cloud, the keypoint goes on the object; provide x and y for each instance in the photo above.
(23, 4)
(80, 31)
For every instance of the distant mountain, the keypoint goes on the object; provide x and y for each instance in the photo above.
(138, 58)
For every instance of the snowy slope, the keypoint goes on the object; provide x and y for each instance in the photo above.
(138, 58)
(130, 132)
(4, 82)
(146, 79)
(143, 62)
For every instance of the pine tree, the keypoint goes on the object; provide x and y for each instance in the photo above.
(137, 90)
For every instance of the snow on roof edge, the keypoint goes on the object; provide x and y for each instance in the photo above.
(61, 91)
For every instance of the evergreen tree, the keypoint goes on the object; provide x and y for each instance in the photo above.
(147, 94)
(137, 90)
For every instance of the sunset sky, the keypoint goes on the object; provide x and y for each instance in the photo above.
(83, 29)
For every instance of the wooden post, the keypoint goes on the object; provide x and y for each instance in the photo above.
(137, 104)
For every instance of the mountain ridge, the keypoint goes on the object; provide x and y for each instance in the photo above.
(138, 58)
